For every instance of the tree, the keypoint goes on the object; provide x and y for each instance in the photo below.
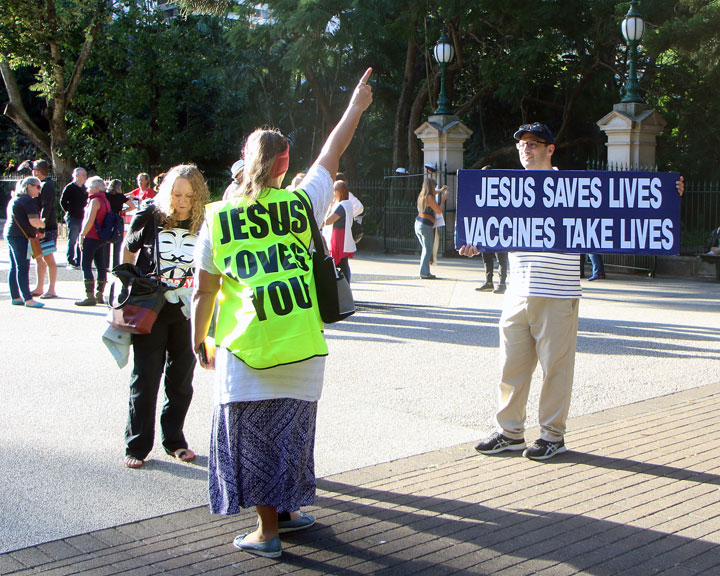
(164, 91)
(55, 40)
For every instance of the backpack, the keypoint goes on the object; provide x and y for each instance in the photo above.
(112, 227)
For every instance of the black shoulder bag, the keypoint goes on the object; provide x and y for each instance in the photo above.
(334, 297)
(141, 297)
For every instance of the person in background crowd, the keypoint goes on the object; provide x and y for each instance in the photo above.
(296, 181)
(357, 206)
(48, 212)
(598, 267)
(170, 222)
(158, 180)
(23, 222)
(236, 172)
(143, 191)
(489, 261)
(425, 223)
(118, 203)
(93, 248)
(73, 200)
(338, 228)
(270, 363)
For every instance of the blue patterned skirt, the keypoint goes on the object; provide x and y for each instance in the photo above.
(262, 454)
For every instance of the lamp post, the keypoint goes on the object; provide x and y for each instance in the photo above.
(633, 27)
(444, 53)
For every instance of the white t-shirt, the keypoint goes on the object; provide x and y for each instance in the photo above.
(235, 381)
(546, 274)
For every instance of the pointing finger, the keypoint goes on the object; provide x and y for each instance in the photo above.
(366, 76)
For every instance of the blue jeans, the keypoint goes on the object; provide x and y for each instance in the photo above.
(597, 264)
(19, 276)
(94, 251)
(425, 234)
(73, 250)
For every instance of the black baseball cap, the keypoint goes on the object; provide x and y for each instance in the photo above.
(536, 129)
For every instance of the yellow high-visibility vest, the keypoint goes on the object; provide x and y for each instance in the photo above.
(268, 312)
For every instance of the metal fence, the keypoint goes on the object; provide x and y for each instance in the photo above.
(390, 212)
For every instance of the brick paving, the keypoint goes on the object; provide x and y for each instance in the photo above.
(637, 494)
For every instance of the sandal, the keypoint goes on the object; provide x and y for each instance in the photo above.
(132, 462)
(183, 454)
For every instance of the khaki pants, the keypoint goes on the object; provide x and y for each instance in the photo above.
(533, 329)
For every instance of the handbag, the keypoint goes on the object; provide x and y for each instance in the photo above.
(357, 231)
(140, 299)
(334, 297)
(34, 247)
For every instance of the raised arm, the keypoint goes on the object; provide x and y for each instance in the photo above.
(339, 139)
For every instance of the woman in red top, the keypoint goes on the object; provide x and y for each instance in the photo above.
(93, 249)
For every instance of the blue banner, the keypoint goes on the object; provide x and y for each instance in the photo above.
(568, 211)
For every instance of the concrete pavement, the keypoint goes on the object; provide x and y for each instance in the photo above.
(637, 495)
(412, 372)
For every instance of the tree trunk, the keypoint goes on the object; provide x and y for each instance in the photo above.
(348, 159)
(416, 113)
(402, 112)
(15, 110)
(56, 144)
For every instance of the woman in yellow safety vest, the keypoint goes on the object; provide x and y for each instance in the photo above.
(269, 353)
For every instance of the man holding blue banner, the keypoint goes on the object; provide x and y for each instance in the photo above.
(539, 320)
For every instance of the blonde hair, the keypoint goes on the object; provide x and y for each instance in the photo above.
(260, 150)
(201, 196)
(95, 182)
(21, 188)
(428, 189)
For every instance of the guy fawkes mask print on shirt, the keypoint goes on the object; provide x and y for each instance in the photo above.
(177, 246)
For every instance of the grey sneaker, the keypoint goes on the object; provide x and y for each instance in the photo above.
(487, 287)
(544, 449)
(499, 443)
(500, 288)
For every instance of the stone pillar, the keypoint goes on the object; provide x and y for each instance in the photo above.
(443, 139)
(631, 130)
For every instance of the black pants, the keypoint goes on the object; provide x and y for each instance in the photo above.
(344, 265)
(166, 349)
(488, 258)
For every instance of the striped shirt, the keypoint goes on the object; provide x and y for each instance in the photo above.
(546, 274)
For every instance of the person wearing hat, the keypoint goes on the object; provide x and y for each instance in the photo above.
(538, 323)
(236, 173)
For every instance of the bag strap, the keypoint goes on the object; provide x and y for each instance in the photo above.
(158, 272)
(316, 236)
(22, 229)
(314, 230)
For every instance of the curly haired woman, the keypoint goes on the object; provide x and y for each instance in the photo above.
(171, 222)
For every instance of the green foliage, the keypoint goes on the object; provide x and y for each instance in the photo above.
(159, 92)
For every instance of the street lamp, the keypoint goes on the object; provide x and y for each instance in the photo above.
(633, 27)
(444, 53)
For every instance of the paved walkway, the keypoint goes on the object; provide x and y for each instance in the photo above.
(637, 494)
